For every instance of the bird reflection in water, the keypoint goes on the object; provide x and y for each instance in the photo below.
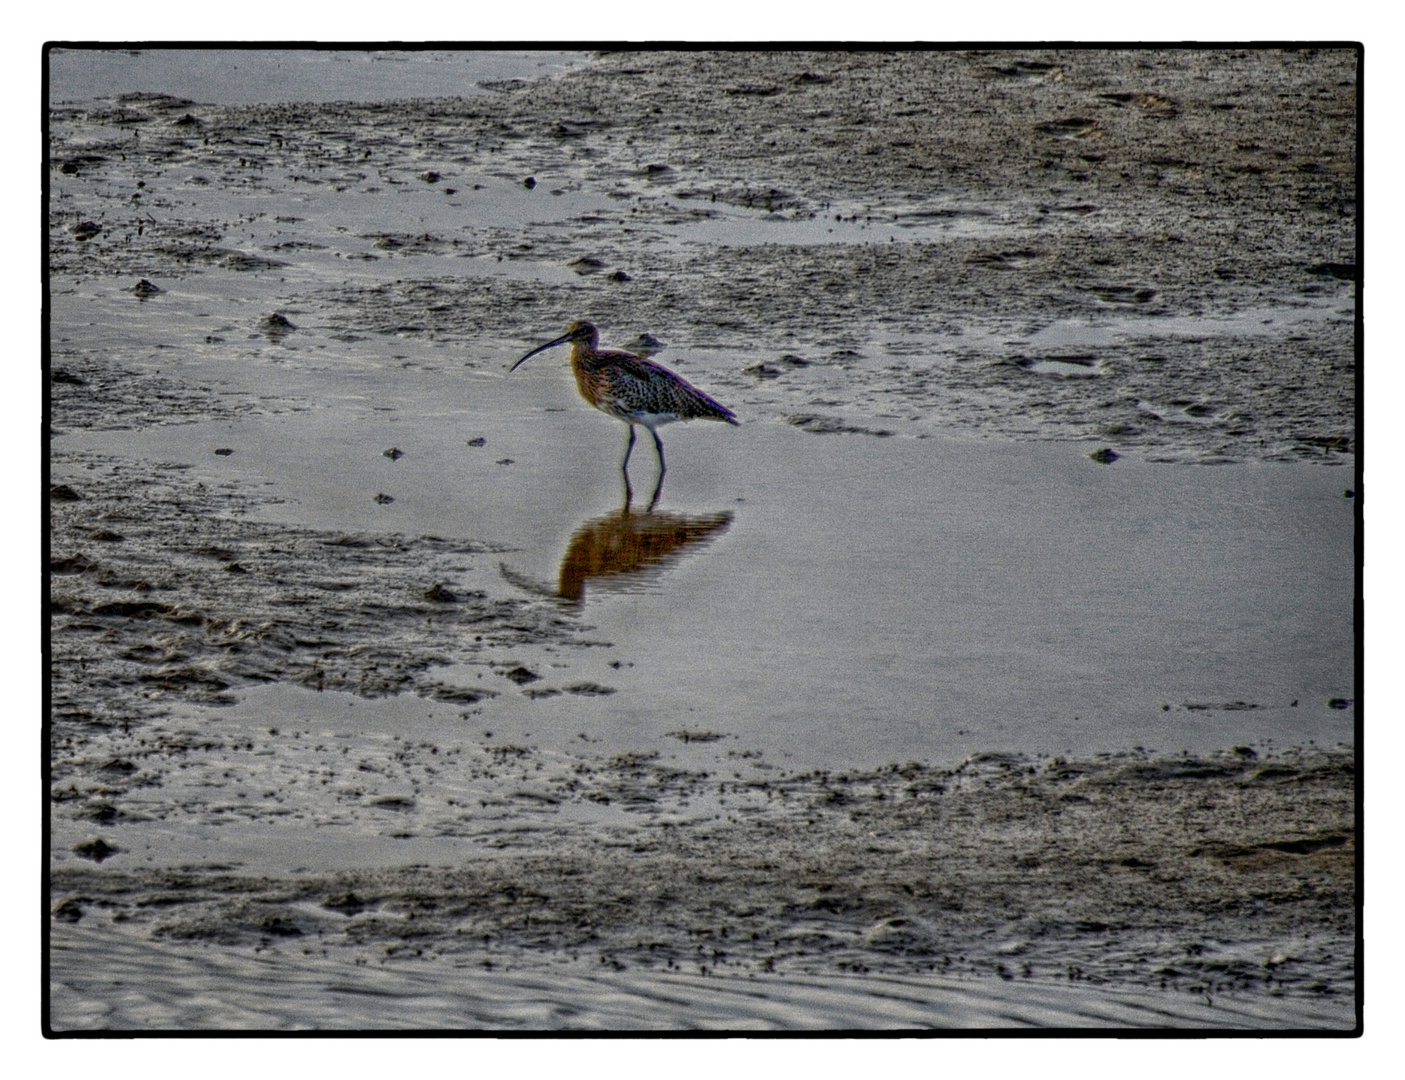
(631, 545)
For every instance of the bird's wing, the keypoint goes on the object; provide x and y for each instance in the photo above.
(667, 391)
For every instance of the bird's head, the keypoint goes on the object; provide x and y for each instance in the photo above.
(584, 332)
(579, 333)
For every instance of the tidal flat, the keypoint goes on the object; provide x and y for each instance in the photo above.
(997, 671)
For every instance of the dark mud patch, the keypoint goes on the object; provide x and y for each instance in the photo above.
(97, 850)
(686, 736)
(521, 675)
(831, 425)
(98, 392)
(589, 689)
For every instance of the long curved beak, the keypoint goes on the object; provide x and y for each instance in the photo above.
(540, 348)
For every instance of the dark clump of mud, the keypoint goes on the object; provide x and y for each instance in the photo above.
(1214, 875)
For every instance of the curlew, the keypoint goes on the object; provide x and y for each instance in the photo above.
(634, 390)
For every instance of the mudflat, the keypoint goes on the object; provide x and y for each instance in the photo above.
(996, 671)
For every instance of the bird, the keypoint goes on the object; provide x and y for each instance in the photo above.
(632, 389)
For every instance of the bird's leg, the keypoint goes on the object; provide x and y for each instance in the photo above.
(658, 445)
(624, 468)
(658, 487)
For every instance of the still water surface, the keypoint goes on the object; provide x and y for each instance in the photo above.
(846, 598)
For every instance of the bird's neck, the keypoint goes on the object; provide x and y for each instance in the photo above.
(583, 357)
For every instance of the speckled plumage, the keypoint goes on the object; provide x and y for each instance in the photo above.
(631, 388)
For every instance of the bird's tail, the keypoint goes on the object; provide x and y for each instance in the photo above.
(717, 411)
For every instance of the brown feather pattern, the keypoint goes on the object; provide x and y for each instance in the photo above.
(630, 388)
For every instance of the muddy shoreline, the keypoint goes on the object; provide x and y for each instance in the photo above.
(972, 201)
(1202, 877)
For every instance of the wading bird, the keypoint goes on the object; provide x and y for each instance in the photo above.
(634, 390)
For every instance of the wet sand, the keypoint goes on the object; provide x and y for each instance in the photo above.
(902, 710)
(1198, 878)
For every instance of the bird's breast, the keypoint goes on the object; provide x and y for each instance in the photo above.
(650, 420)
